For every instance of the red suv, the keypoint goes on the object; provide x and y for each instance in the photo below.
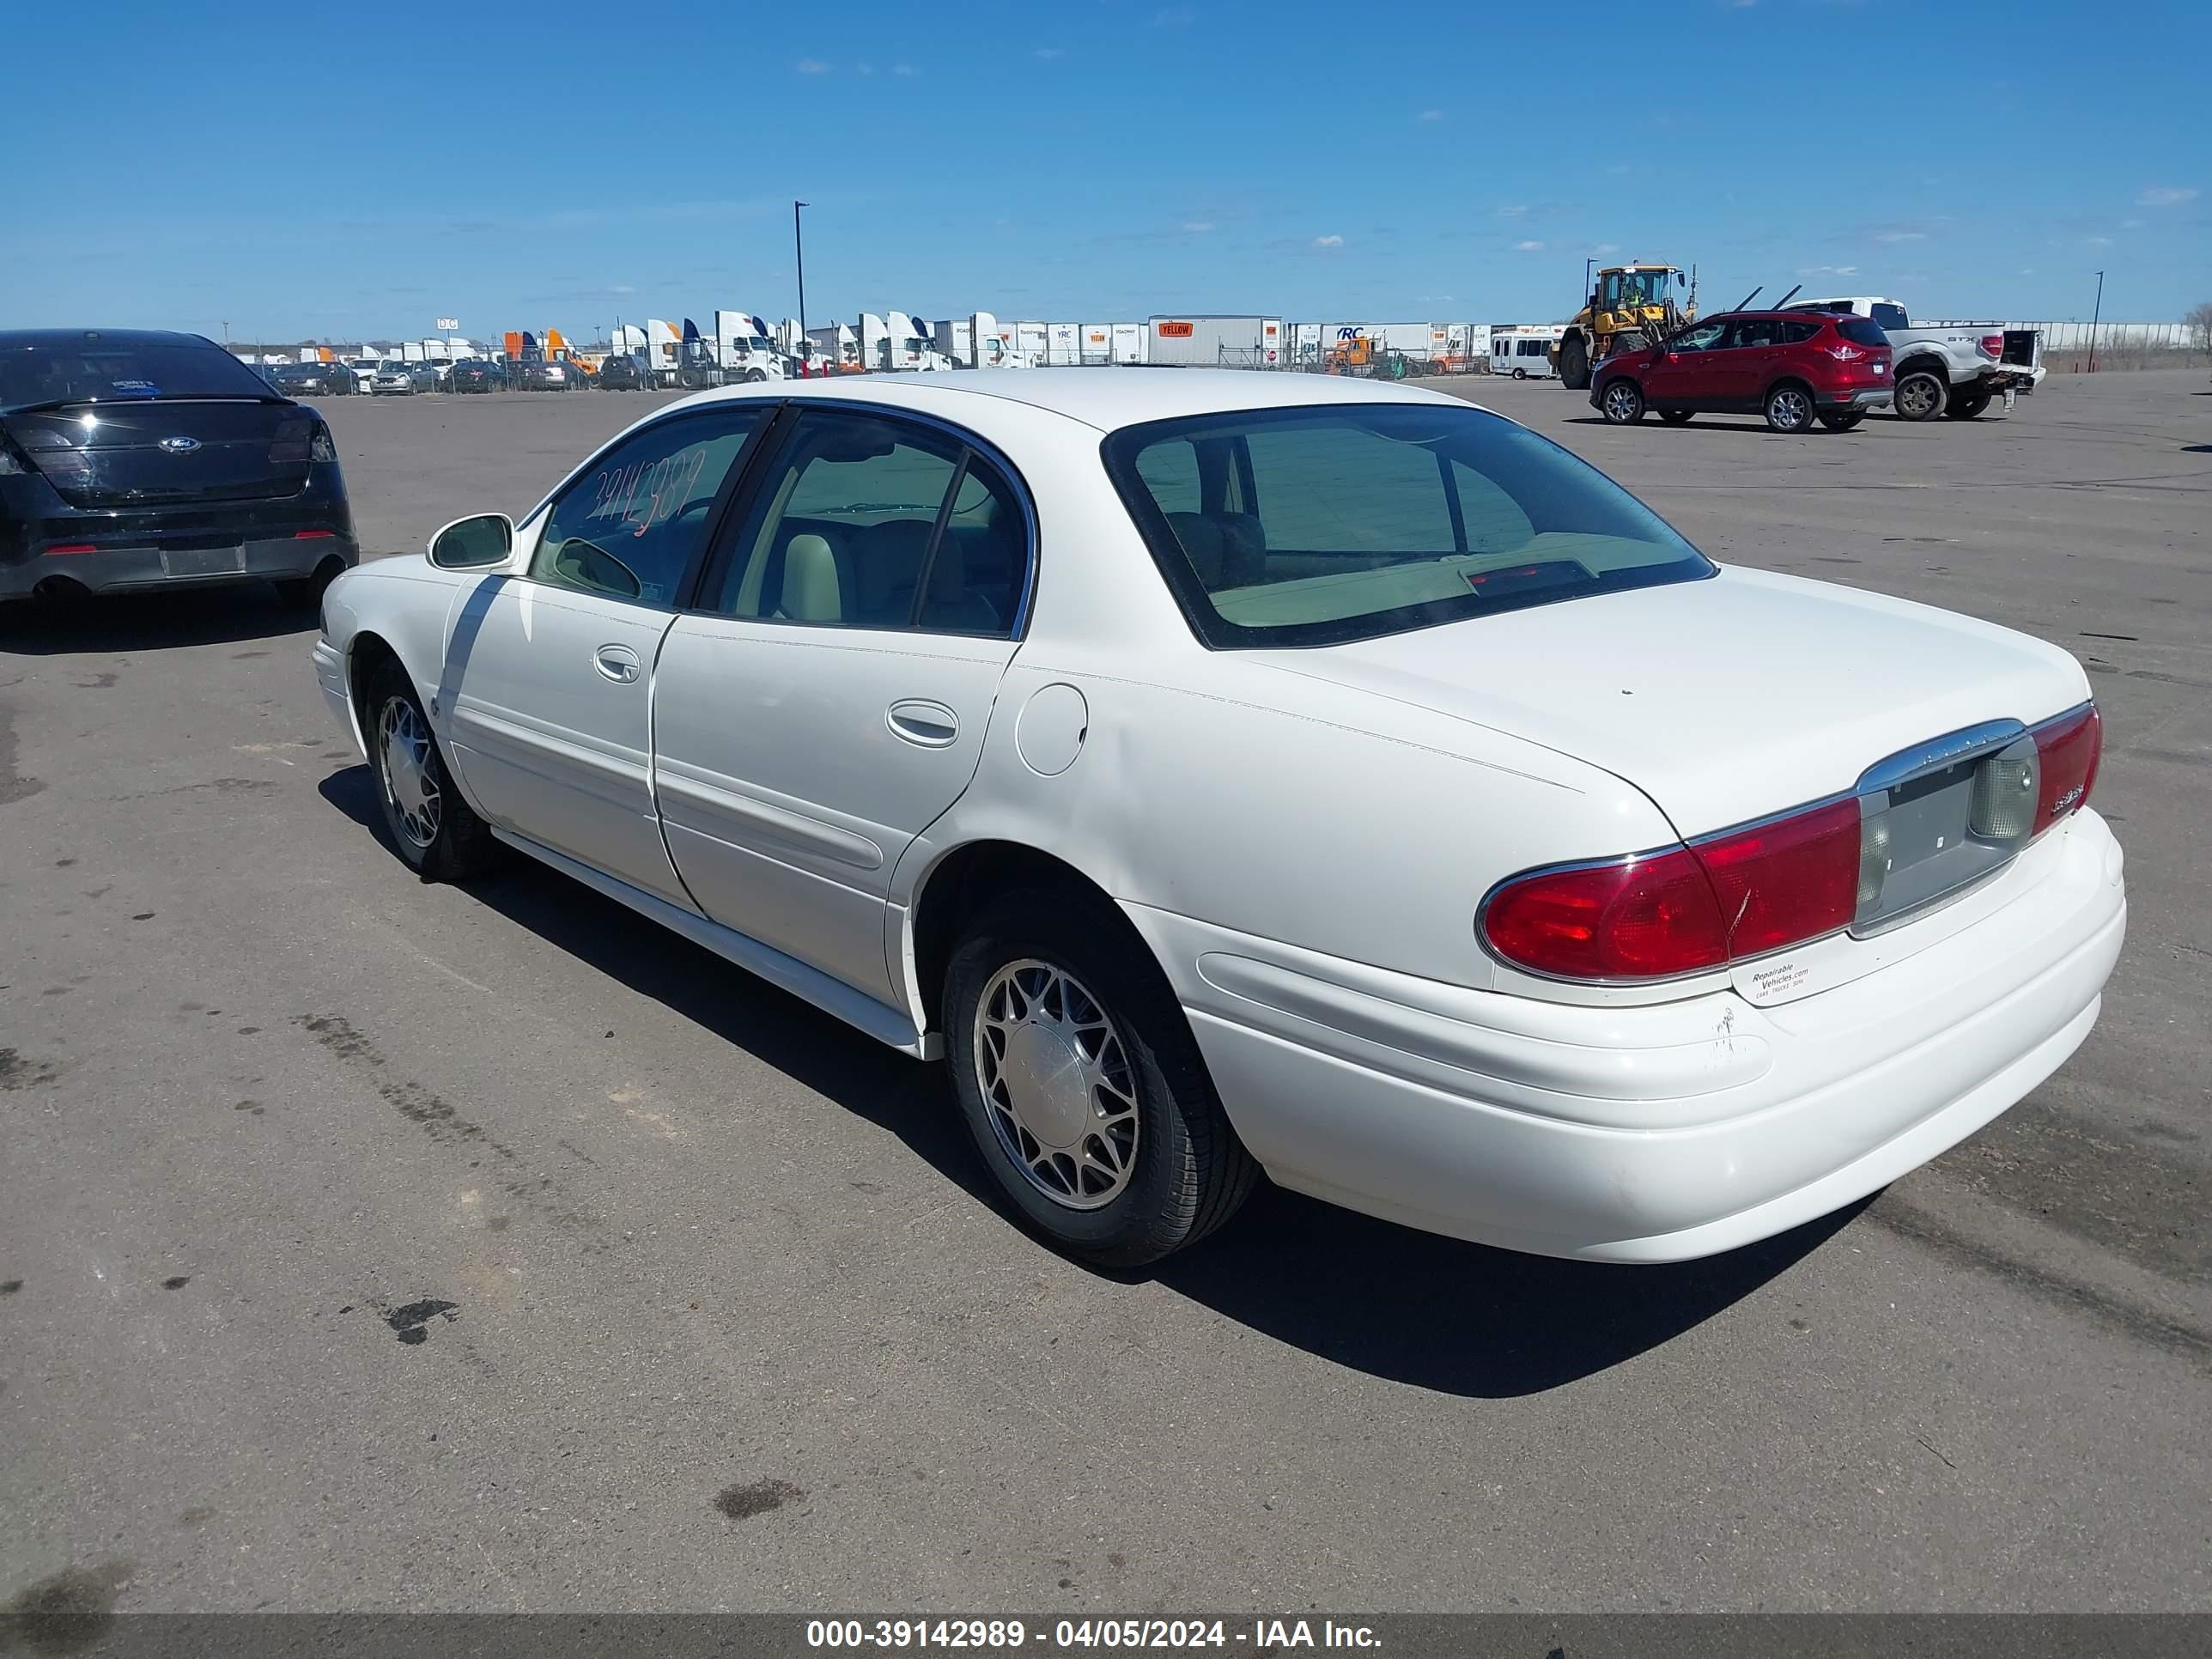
(1794, 368)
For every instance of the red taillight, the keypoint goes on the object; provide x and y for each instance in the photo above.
(1793, 879)
(1645, 918)
(1844, 353)
(1993, 345)
(311, 535)
(2067, 751)
(73, 547)
(1738, 895)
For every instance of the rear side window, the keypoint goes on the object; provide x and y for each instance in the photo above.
(1861, 331)
(1888, 316)
(1798, 333)
(867, 521)
(1319, 524)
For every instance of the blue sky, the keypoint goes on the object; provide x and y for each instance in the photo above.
(345, 171)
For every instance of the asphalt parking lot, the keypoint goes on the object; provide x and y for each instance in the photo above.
(371, 1244)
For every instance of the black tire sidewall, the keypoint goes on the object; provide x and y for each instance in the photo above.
(389, 681)
(1897, 395)
(1150, 1217)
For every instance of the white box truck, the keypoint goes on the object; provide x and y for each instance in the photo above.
(1201, 340)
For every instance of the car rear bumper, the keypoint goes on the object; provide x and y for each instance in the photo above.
(134, 564)
(1649, 1133)
(1866, 398)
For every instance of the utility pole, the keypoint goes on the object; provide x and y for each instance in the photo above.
(798, 249)
(2093, 316)
(1587, 263)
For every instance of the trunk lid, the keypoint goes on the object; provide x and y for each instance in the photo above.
(144, 453)
(1725, 700)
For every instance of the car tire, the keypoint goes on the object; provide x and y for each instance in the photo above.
(1843, 420)
(436, 832)
(1520, 374)
(1621, 402)
(1065, 974)
(1675, 417)
(1920, 395)
(1964, 406)
(305, 593)
(1789, 408)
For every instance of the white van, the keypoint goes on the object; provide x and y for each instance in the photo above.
(1524, 350)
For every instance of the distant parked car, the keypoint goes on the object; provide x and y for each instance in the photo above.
(541, 376)
(1792, 367)
(314, 379)
(364, 370)
(132, 459)
(621, 372)
(480, 375)
(404, 379)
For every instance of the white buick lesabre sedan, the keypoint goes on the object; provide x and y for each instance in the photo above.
(1230, 773)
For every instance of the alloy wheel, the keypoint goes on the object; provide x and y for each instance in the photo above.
(1057, 1084)
(411, 786)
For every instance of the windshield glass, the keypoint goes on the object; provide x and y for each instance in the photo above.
(1890, 316)
(1309, 526)
(101, 371)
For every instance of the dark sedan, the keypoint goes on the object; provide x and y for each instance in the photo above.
(621, 372)
(132, 459)
(479, 374)
(314, 379)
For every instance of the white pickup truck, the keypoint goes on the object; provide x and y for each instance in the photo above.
(1953, 370)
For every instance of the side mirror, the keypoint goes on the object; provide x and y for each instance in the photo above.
(471, 543)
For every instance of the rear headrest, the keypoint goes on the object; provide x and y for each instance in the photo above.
(889, 561)
(812, 589)
(1202, 543)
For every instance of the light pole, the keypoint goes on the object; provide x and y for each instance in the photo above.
(2093, 315)
(798, 249)
(1587, 263)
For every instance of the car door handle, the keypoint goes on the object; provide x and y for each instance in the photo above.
(923, 723)
(617, 662)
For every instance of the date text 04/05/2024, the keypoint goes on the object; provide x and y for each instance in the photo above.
(974, 1635)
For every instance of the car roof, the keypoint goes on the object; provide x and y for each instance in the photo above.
(1104, 398)
(58, 338)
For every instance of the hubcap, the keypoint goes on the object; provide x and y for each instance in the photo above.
(1919, 395)
(409, 786)
(1620, 403)
(1791, 409)
(1057, 1084)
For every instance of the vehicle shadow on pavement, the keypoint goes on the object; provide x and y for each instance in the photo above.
(1408, 1306)
(1456, 1317)
(148, 621)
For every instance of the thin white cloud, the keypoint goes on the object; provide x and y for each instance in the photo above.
(2131, 224)
(1900, 236)
(1600, 249)
(1050, 52)
(1199, 226)
(1827, 271)
(1739, 5)
(1518, 211)
(1328, 242)
(1528, 247)
(865, 68)
(2101, 241)
(1429, 115)
(812, 66)
(621, 288)
(902, 69)
(2165, 196)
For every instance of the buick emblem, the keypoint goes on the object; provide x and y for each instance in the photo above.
(181, 446)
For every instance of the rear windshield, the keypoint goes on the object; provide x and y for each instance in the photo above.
(1861, 332)
(1310, 526)
(1889, 316)
(97, 371)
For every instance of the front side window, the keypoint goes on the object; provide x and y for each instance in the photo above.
(1706, 337)
(1309, 526)
(629, 526)
(1753, 331)
(869, 521)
